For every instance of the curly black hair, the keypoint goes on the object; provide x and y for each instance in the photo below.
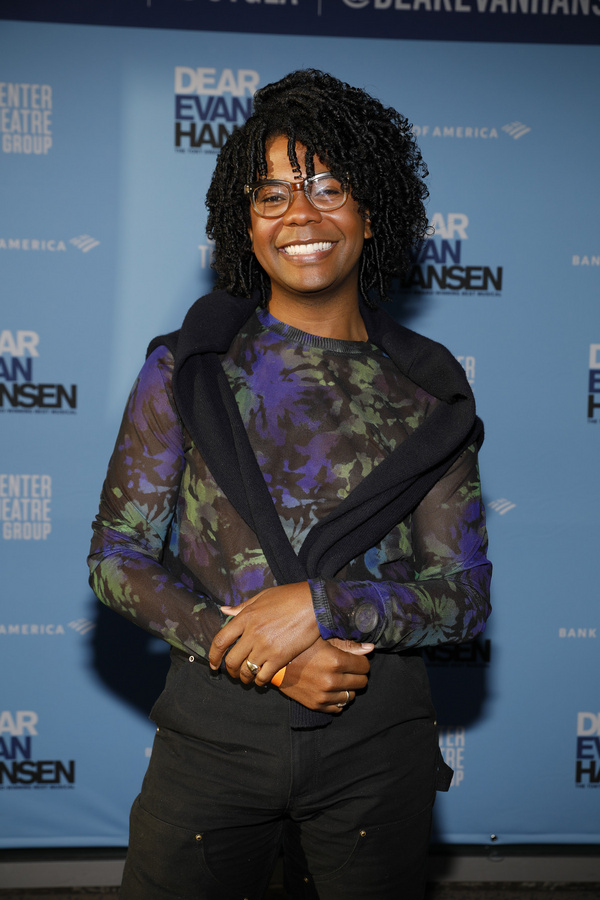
(364, 144)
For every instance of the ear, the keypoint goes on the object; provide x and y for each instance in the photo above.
(368, 233)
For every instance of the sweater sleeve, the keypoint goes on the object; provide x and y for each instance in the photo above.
(438, 592)
(137, 508)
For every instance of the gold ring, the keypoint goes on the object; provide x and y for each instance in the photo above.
(252, 666)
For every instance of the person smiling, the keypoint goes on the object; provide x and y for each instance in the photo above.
(309, 243)
(293, 503)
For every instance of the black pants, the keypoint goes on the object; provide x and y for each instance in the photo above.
(352, 815)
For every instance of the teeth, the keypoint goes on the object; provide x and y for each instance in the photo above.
(305, 249)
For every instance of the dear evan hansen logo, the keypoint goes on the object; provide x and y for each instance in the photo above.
(441, 266)
(587, 764)
(19, 389)
(593, 407)
(210, 104)
(477, 653)
(19, 767)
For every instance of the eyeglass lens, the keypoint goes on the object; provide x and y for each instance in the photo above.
(273, 199)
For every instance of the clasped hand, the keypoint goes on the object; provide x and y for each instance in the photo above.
(276, 628)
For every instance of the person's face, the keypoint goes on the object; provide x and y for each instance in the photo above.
(308, 253)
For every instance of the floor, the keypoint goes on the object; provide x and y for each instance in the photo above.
(457, 873)
(471, 891)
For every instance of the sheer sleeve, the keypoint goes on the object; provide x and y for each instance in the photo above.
(136, 515)
(440, 595)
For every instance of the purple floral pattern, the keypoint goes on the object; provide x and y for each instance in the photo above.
(169, 549)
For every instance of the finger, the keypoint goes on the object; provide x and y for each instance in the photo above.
(338, 708)
(345, 699)
(222, 641)
(356, 664)
(249, 670)
(350, 683)
(244, 649)
(349, 662)
(235, 660)
(359, 649)
(263, 676)
(267, 671)
(235, 610)
(351, 646)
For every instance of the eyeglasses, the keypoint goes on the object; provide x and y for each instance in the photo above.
(271, 199)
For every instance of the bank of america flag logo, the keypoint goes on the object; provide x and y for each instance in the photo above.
(84, 242)
(516, 130)
(502, 506)
(82, 626)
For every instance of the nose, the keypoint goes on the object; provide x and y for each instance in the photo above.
(301, 211)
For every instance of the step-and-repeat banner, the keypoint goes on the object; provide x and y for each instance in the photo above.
(109, 136)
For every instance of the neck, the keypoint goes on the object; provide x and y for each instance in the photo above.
(338, 320)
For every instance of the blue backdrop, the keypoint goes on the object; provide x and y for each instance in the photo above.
(109, 136)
